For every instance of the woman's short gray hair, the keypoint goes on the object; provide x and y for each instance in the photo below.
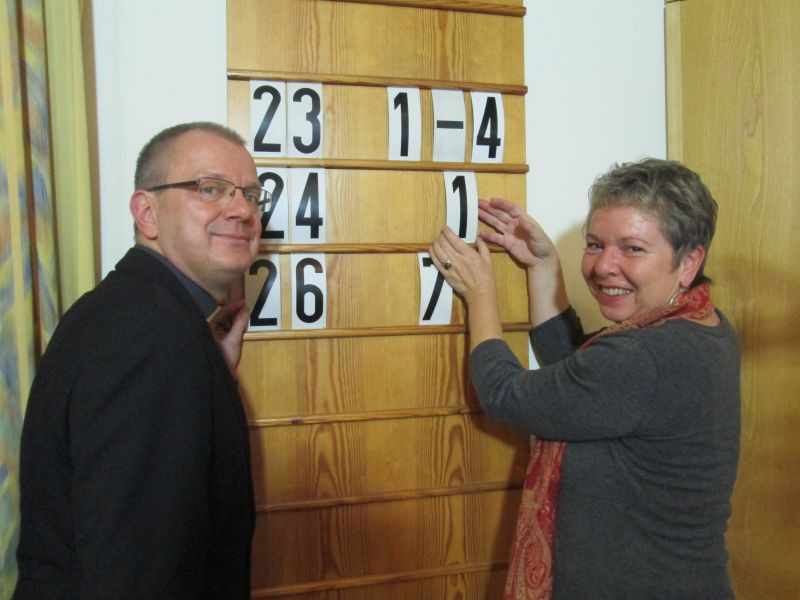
(685, 209)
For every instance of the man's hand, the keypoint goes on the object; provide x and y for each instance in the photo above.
(228, 324)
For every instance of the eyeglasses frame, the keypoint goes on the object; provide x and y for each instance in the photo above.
(258, 206)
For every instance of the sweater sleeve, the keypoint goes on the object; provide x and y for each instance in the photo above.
(602, 392)
(558, 337)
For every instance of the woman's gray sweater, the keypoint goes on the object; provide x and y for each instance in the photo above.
(652, 419)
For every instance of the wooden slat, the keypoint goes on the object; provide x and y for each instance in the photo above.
(368, 248)
(335, 545)
(380, 415)
(454, 581)
(382, 82)
(365, 332)
(390, 165)
(453, 490)
(491, 7)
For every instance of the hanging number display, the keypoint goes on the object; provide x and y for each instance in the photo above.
(268, 118)
(305, 124)
(449, 125)
(263, 293)
(309, 291)
(286, 120)
(307, 190)
(405, 123)
(275, 220)
(461, 201)
(435, 295)
(488, 127)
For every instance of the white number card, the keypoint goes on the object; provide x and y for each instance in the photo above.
(304, 119)
(309, 291)
(268, 118)
(435, 295)
(262, 287)
(275, 220)
(488, 127)
(449, 125)
(461, 196)
(405, 123)
(309, 205)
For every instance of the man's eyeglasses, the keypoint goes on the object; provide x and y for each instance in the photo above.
(212, 189)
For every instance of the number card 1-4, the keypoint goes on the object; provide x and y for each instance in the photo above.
(449, 125)
(488, 127)
(405, 123)
(461, 196)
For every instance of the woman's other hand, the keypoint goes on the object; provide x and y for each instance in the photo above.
(515, 231)
(469, 272)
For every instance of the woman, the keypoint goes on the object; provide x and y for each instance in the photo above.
(628, 489)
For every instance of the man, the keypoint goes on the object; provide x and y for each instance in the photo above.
(135, 467)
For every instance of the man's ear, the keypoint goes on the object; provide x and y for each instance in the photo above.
(144, 214)
(690, 265)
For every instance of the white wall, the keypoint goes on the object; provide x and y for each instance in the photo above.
(158, 63)
(594, 70)
(596, 95)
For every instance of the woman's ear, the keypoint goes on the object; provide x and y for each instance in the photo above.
(690, 265)
(144, 214)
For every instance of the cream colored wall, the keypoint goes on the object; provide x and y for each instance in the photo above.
(595, 79)
(157, 63)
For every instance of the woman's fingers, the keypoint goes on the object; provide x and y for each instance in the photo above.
(483, 250)
(493, 217)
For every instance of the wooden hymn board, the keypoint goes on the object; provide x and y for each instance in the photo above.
(374, 124)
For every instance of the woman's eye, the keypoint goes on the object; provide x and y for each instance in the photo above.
(635, 249)
(593, 247)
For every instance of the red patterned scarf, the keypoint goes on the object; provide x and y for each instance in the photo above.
(530, 569)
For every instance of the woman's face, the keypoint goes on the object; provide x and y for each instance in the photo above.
(628, 263)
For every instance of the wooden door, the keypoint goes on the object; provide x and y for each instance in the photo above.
(733, 89)
(376, 474)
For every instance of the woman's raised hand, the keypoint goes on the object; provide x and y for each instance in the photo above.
(515, 231)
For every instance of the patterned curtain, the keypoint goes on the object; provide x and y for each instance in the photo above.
(30, 302)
